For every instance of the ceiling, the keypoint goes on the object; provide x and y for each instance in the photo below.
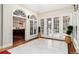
(40, 8)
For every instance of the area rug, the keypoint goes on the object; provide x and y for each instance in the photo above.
(5, 52)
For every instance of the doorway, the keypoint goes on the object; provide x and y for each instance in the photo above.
(18, 28)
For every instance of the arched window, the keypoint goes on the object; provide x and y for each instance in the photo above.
(19, 19)
(33, 17)
(19, 13)
(33, 25)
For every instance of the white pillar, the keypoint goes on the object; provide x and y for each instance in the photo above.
(7, 26)
(45, 27)
(27, 30)
(78, 27)
(74, 18)
(61, 28)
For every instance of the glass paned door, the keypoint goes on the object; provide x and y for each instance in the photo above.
(42, 26)
(66, 23)
(31, 27)
(35, 27)
(49, 25)
(56, 25)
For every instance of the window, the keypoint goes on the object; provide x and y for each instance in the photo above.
(49, 24)
(35, 27)
(33, 17)
(56, 25)
(66, 20)
(31, 27)
(19, 13)
(42, 26)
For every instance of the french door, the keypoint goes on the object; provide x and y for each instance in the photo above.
(42, 27)
(33, 28)
(66, 23)
(49, 27)
(55, 27)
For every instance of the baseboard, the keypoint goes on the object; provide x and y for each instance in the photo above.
(33, 38)
(52, 38)
(8, 45)
(0, 47)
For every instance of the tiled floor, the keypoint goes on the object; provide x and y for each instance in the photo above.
(41, 46)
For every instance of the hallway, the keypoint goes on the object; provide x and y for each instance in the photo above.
(55, 27)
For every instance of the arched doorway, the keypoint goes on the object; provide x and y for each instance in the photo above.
(19, 18)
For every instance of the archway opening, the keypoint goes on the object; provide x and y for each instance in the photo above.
(18, 27)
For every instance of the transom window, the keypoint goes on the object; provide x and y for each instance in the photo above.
(19, 13)
(33, 17)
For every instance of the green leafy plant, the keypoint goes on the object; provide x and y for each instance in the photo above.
(70, 30)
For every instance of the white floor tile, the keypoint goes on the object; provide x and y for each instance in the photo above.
(41, 46)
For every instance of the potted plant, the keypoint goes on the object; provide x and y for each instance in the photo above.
(69, 32)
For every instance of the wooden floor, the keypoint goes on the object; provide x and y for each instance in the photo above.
(18, 41)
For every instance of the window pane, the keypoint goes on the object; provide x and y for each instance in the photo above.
(31, 27)
(42, 26)
(56, 25)
(66, 20)
(49, 24)
(35, 27)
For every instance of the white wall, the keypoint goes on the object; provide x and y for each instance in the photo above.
(0, 25)
(76, 34)
(78, 27)
(57, 13)
(8, 23)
